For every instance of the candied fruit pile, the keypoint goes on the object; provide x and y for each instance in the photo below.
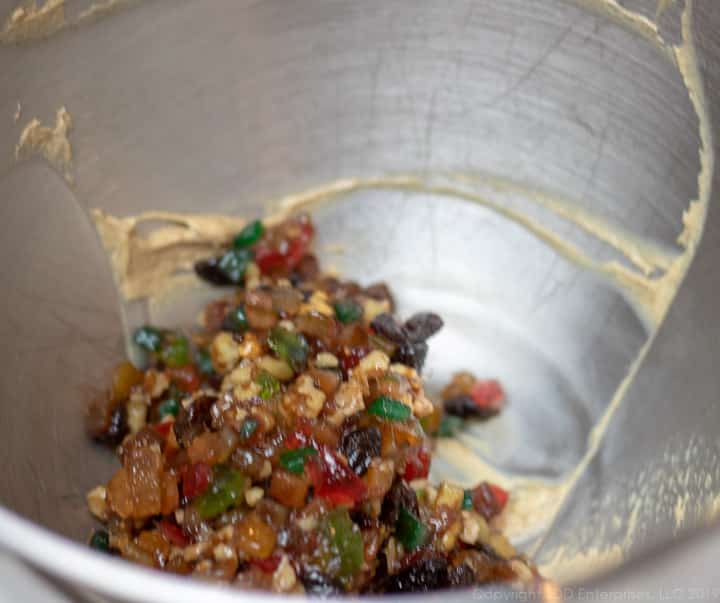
(286, 445)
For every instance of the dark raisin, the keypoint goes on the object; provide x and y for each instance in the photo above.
(209, 271)
(461, 576)
(412, 355)
(214, 381)
(386, 326)
(360, 447)
(380, 292)
(422, 326)
(118, 428)
(363, 521)
(423, 576)
(400, 496)
(320, 585)
(465, 407)
(106, 421)
(193, 420)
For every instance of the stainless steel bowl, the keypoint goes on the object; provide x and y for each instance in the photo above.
(496, 144)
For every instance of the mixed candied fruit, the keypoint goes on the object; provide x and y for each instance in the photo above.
(286, 445)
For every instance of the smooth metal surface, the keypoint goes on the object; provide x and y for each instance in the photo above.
(190, 106)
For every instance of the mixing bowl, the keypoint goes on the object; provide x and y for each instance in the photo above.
(539, 173)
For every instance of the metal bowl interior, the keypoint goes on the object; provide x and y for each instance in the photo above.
(513, 119)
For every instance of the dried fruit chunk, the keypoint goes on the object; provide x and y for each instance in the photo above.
(249, 235)
(135, 490)
(333, 480)
(288, 346)
(225, 492)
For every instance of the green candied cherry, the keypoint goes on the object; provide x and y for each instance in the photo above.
(168, 407)
(203, 361)
(345, 545)
(100, 541)
(294, 460)
(269, 385)
(233, 264)
(409, 530)
(449, 426)
(248, 428)
(249, 235)
(288, 346)
(467, 502)
(389, 409)
(348, 310)
(236, 320)
(225, 492)
(175, 351)
(148, 338)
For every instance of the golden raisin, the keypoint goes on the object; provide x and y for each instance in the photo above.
(288, 489)
(254, 538)
(124, 377)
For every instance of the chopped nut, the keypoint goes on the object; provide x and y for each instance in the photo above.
(474, 527)
(136, 415)
(265, 419)
(246, 392)
(418, 484)
(253, 496)
(430, 495)
(393, 554)
(179, 516)
(326, 360)
(240, 380)
(311, 399)
(97, 502)
(373, 307)
(449, 538)
(522, 571)
(307, 523)
(288, 325)
(421, 406)
(409, 373)
(225, 352)
(449, 496)
(501, 545)
(252, 276)
(226, 534)
(242, 374)
(348, 401)
(223, 552)
(203, 568)
(284, 578)
(266, 469)
(195, 551)
(376, 363)
(277, 368)
(319, 303)
(250, 346)
(156, 383)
